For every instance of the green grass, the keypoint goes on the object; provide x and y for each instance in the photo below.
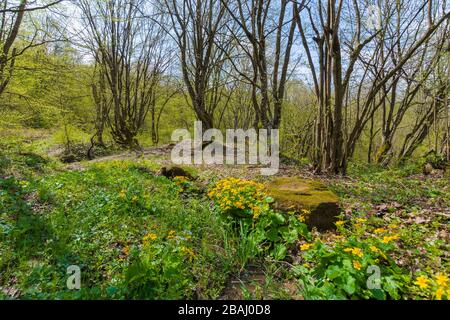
(87, 218)
(101, 217)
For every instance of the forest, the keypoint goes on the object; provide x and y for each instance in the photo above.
(351, 97)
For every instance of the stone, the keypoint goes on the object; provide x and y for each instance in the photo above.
(294, 194)
(427, 169)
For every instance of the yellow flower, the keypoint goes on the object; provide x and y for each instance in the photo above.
(301, 219)
(126, 250)
(380, 230)
(189, 252)
(150, 237)
(422, 282)
(389, 239)
(439, 293)
(305, 247)
(378, 251)
(306, 211)
(359, 220)
(123, 194)
(256, 212)
(355, 251)
(442, 280)
(135, 199)
(172, 234)
(340, 223)
(357, 265)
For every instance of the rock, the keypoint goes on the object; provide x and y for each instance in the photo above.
(174, 172)
(427, 169)
(297, 194)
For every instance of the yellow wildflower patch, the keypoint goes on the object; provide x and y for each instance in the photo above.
(236, 194)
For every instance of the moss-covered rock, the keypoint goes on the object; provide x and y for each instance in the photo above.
(297, 194)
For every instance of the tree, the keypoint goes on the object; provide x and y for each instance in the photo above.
(195, 26)
(12, 15)
(340, 58)
(129, 51)
(261, 24)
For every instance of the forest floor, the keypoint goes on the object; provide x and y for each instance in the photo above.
(135, 234)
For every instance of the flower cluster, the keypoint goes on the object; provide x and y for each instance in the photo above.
(246, 197)
(438, 286)
(150, 237)
(389, 239)
(355, 251)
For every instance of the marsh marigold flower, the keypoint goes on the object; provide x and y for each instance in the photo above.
(389, 239)
(172, 234)
(422, 282)
(355, 251)
(305, 247)
(439, 293)
(150, 237)
(442, 280)
(378, 251)
(357, 265)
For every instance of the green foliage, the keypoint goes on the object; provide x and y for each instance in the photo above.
(343, 271)
(89, 218)
(161, 268)
(261, 229)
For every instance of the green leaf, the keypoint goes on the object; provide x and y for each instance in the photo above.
(333, 272)
(278, 218)
(272, 235)
(280, 252)
(350, 285)
(270, 200)
(390, 285)
(289, 235)
(378, 294)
